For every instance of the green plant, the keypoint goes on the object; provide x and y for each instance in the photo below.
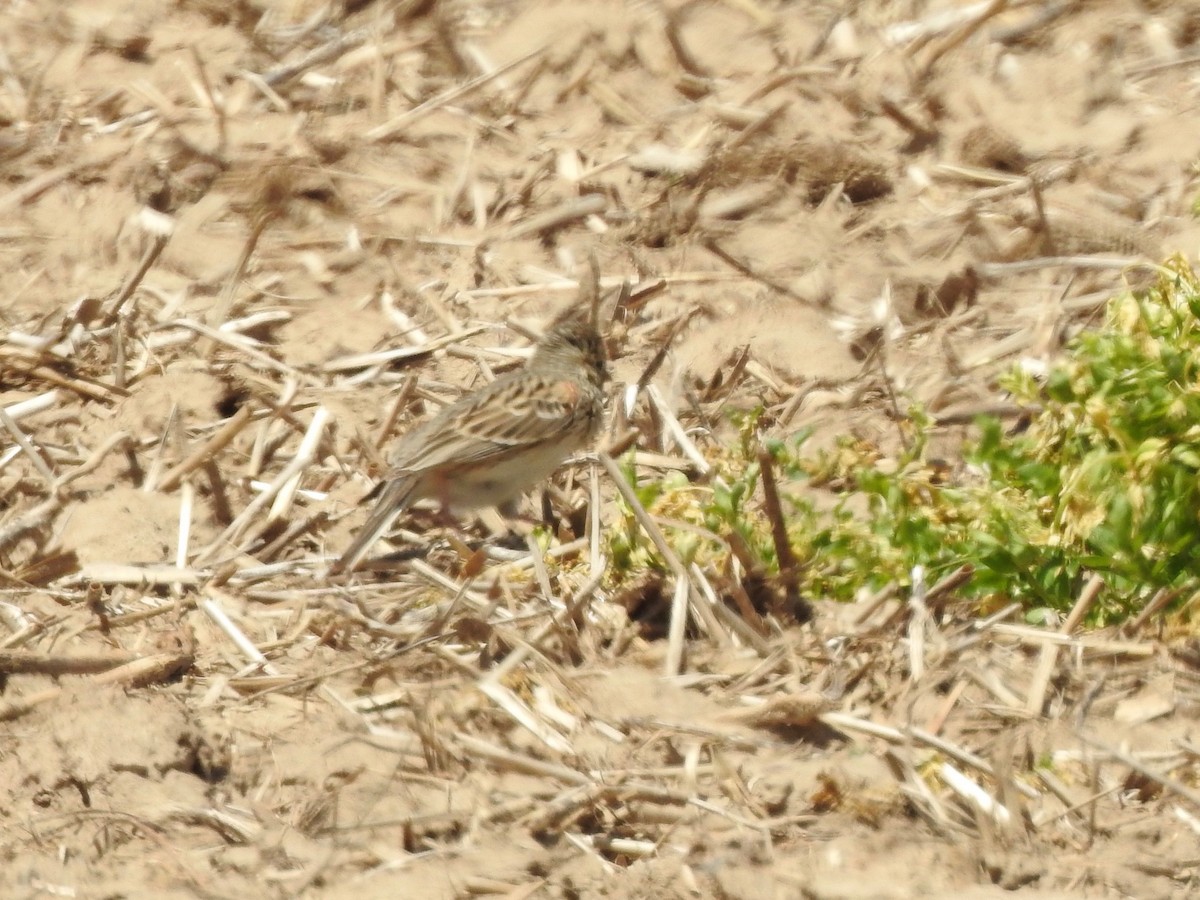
(1105, 480)
(1111, 465)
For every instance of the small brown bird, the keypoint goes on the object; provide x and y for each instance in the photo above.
(492, 445)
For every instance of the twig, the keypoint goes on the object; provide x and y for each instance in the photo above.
(307, 452)
(1160, 601)
(1103, 263)
(32, 662)
(736, 624)
(296, 467)
(1035, 701)
(23, 408)
(239, 343)
(385, 357)
(219, 440)
(22, 441)
(394, 126)
(969, 412)
(90, 388)
(523, 715)
(187, 501)
(35, 187)
(327, 52)
(918, 620)
(1171, 784)
(561, 215)
(678, 434)
(596, 561)
(108, 573)
(43, 570)
(951, 582)
(876, 601)
(673, 664)
(847, 722)
(212, 607)
(674, 27)
(974, 794)
(960, 35)
(675, 651)
(710, 244)
(157, 245)
(660, 354)
(33, 519)
(120, 441)
(156, 463)
(1027, 634)
(955, 579)
(220, 312)
(138, 673)
(515, 762)
(789, 566)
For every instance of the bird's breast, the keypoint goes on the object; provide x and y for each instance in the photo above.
(504, 479)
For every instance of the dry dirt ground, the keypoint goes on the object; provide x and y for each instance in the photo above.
(245, 241)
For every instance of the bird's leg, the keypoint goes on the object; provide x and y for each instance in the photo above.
(445, 517)
(504, 527)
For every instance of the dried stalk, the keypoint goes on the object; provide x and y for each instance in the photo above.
(1035, 700)
(223, 437)
(137, 673)
(393, 127)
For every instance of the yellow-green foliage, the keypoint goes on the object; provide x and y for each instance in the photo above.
(1104, 480)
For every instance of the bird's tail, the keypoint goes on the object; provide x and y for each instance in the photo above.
(394, 497)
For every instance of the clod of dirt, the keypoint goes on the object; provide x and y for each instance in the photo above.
(98, 748)
(124, 524)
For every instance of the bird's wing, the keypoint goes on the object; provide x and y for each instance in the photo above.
(522, 410)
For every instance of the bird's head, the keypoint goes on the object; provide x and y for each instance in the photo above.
(573, 337)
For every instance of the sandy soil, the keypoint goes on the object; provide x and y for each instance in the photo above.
(826, 206)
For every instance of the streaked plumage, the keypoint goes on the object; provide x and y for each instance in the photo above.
(495, 443)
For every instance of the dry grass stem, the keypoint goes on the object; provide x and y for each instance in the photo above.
(136, 673)
(386, 357)
(203, 454)
(34, 405)
(394, 126)
(287, 479)
(974, 794)
(553, 219)
(524, 716)
(22, 440)
(26, 662)
(1036, 698)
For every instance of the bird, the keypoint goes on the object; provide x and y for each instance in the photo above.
(492, 445)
